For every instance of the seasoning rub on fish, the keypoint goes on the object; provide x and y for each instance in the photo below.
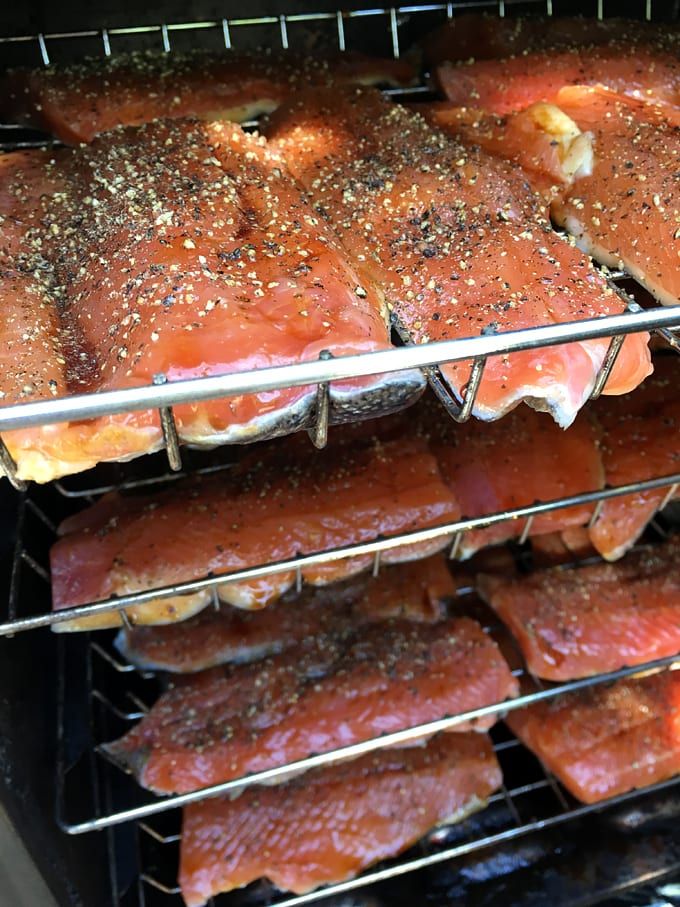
(182, 249)
(457, 243)
(229, 721)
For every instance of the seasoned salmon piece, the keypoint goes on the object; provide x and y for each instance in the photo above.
(515, 463)
(77, 102)
(336, 821)
(331, 692)
(640, 439)
(488, 37)
(457, 242)
(504, 86)
(607, 740)
(589, 620)
(265, 510)
(416, 591)
(118, 279)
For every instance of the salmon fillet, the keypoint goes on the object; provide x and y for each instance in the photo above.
(515, 463)
(504, 86)
(606, 163)
(113, 278)
(640, 439)
(457, 243)
(77, 102)
(230, 721)
(487, 37)
(416, 591)
(607, 740)
(589, 620)
(334, 822)
(269, 508)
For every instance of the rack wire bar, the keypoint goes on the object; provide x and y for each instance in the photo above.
(396, 738)
(299, 563)
(314, 372)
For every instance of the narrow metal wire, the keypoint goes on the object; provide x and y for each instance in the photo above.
(319, 433)
(9, 467)
(169, 428)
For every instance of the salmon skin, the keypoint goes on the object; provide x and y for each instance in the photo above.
(639, 440)
(457, 242)
(77, 102)
(515, 463)
(486, 37)
(269, 508)
(115, 279)
(607, 740)
(367, 810)
(417, 591)
(589, 620)
(230, 721)
(606, 163)
(505, 86)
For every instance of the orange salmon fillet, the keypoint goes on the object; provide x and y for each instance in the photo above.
(457, 243)
(488, 37)
(416, 591)
(504, 86)
(640, 439)
(514, 463)
(114, 278)
(266, 509)
(77, 102)
(229, 721)
(331, 824)
(589, 620)
(609, 739)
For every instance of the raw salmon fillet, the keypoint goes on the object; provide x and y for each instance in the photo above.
(514, 463)
(457, 242)
(487, 37)
(229, 721)
(267, 509)
(75, 103)
(640, 439)
(606, 162)
(504, 86)
(113, 278)
(589, 620)
(334, 822)
(609, 739)
(416, 591)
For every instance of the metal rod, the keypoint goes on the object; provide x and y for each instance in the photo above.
(527, 529)
(194, 390)
(376, 564)
(455, 545)
(670, 494)
(396, 738)
(323, 557)
(608, 364)
(319, 434)
(9, 467)
(169, 428)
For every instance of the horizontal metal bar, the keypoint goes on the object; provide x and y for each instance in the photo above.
(408, 538)
(396, 738)
(104, 403)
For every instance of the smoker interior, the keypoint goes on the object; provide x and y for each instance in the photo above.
(62, 695)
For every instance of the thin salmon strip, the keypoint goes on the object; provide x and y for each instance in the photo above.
(416, 591)
(504, 86)
(265, 510)
(515, 463)
(229, 721)
(487, 37)
(589, 620)
(334, 822)
(457, 243)
(115, 279)
(77, 102)
(609, 739)
(640, 440)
